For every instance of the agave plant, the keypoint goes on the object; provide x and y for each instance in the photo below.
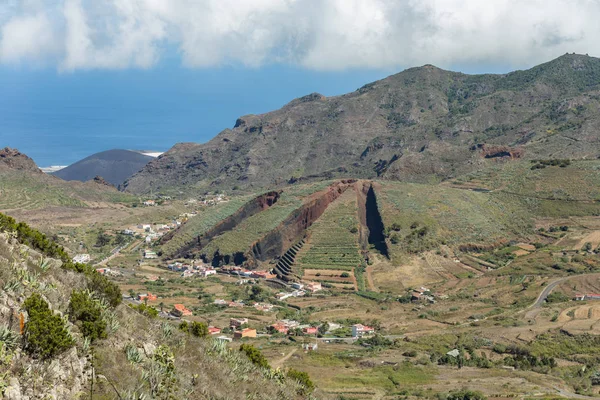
(13, 286)
(44, 264)
(135, 395)
(133, 354)
(8, 337)
(166, 329)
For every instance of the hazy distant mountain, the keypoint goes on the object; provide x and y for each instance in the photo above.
(115, 166)
(422, 124)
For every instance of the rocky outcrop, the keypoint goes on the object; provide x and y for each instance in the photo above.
(14, 159)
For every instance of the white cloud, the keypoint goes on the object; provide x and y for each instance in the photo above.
(316, 34)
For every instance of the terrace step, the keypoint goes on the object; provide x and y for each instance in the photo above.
(283, 269)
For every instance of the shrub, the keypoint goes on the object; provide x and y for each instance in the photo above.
(45, 332)
(345, 275)
(557, 297)
(86, 314)
(465, 395)
(303, 379)
(143, 309)
(199, 329)
(255, 355)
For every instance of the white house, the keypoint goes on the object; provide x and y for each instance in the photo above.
(359, 330)
(82, 258)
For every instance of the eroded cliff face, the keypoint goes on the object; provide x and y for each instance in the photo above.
(256, 205)
(277, 241)
(294, 227)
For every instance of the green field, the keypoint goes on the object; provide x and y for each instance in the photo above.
(333, 238)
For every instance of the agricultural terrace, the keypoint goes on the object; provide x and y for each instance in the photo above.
(243, 236)
(421, 217)
(333, 242)
(206, 219)
(550, 190)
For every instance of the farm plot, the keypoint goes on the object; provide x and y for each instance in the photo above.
(333, 243)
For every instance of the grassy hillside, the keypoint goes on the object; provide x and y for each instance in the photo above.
(546, 190)
(421, 217)
(24, 190)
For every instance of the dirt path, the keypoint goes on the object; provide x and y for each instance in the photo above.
(370, 283)
(279, 363)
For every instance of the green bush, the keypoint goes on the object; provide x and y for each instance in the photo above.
(303, 379)
(87, 314)
(465, 395)
(143, 309)
(45, 332)
(199, 329)
(255, 355)
(557, 297)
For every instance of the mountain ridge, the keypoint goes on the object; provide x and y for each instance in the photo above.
(421, 124)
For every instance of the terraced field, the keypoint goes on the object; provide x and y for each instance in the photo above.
(333, 238)
(243, 236)
(201, 223)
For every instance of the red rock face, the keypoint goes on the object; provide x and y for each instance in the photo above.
(14, 159)
(293, 228)
(254, 206)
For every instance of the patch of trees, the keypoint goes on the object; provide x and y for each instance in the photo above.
(540, 164)
(38, 241)
(198, 329)
(145, 310)
(303, 379)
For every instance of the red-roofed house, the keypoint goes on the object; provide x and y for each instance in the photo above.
(148, 296)
(281, 328)
(213, 330)
(251, 333)
(359, 330)
(179, 310)
(311, 330)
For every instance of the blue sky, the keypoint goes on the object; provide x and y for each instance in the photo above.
(81, 76)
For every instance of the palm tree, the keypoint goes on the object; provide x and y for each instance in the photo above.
(161, 305)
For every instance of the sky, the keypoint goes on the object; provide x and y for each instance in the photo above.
(81, 76)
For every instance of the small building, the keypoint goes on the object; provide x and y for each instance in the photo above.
(313, 286)
(149, 254)
(179, 310)
(147, 297)
(311, 330)
(280, 327)
(214, 330)
(82, 258)
(235, 304)
(310, 346)
(298, 285)
(244, 333)
(220, 302)
(237, 322)
(149, 203)
(103, 271)
(360, 330)
(265, 307)
(208, 272)
(224, 338)
(128, 232)
(587, 296)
